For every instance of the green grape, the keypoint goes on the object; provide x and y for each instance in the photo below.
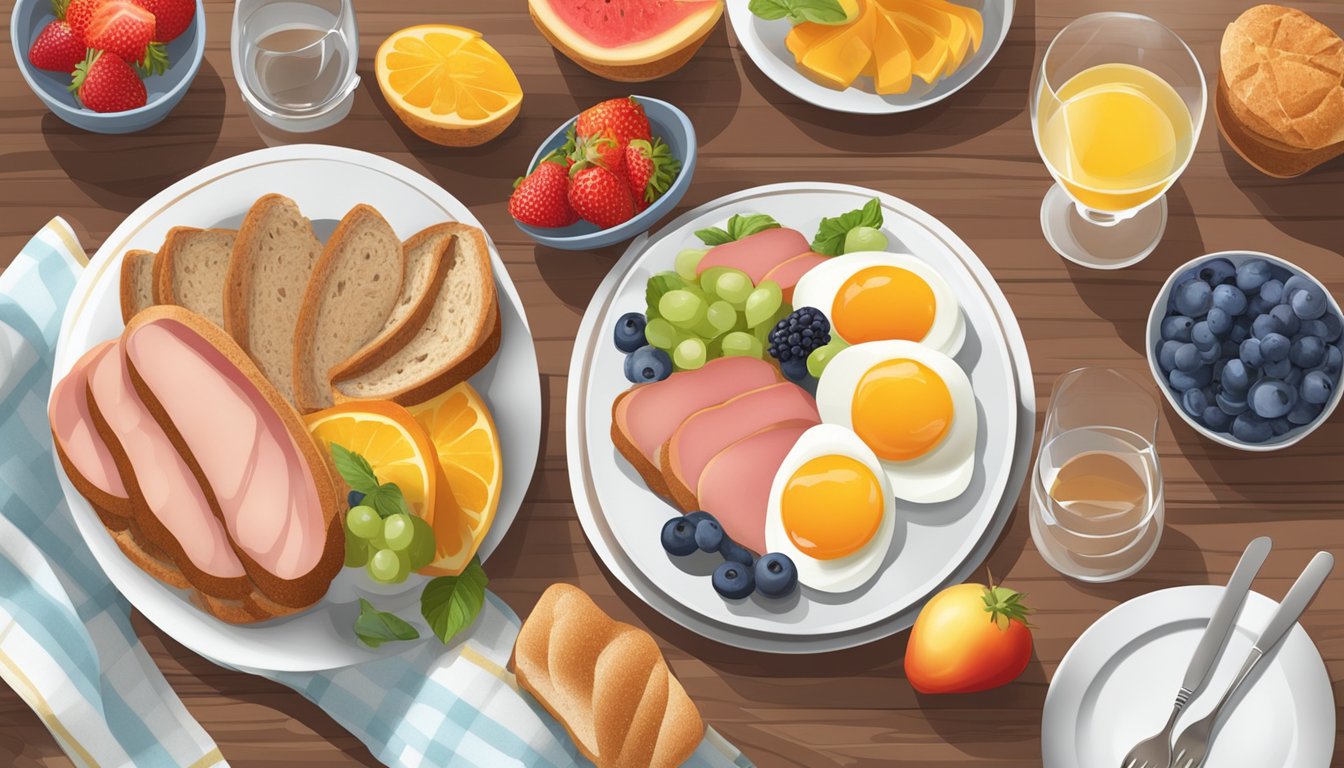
(681, 308)
(689, 354)
(741, 344)
(687, 260)
(864, 239)
(816, 362)
(660, 334)
(702, 330)
(714, 348)
(356, 552)
(363, 522)
(721, 316)
(762, 331)
(398, 531)
(764, 300)
(421, 551)
(733, 286)
(708, 278)
(386, 567)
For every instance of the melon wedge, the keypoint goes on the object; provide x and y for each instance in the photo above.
(894, 74)
(840, 59)
(975, 23)
(944, 25)
(627, 40)
(930, 52)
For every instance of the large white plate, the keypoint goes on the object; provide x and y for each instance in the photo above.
(326, 182)
(935, 545)
(1115, 687)
(764, 43)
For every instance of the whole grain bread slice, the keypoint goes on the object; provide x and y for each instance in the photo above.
(354, 289)
(271, 263)
(458, 337)
(137, 282)
(191, 270)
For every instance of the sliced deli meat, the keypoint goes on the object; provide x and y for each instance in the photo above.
(790, 272)
(757, 254)
(87, 460)
(735, 484)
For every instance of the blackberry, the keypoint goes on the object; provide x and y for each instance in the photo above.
(796, 336)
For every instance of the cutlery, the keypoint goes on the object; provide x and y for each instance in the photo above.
(1193, 745)
(1155, 752)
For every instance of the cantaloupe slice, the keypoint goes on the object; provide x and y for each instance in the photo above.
(943, 24)
(975, 23)
(838, 60)
(894, 64)
(808, 35)
(928, 51)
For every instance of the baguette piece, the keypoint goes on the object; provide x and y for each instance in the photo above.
(272, 260)
(191, 270)
(606, 682)
(137, 283)
(460, 334)
(355, 287)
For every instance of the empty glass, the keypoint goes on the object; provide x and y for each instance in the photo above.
(1096, 491)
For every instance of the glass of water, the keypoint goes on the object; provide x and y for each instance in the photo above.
(295, 60)
(1096, 491)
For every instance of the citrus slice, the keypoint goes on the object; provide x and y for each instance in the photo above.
(463, 432)
(448, 84)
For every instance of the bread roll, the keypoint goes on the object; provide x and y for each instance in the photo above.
(607, 682)
(1284, 74)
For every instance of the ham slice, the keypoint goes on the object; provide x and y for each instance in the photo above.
(756, 254)
(86, 458)
(735, 484)
(707, 432)
(790, 272)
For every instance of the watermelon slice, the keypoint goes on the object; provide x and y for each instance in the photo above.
(628, 40)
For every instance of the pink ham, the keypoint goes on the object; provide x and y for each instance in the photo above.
(790, 272)
(89, 461)
(756, 254)
(735, 485)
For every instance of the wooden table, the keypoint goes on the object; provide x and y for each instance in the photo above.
(970, 161)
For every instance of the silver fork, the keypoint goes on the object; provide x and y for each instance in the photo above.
(1155, 752)
(1193, 745)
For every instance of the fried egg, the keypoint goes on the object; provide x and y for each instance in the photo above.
(913, 406)
(831, 510)
(878, 296)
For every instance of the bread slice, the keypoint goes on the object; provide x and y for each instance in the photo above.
(272, 260)
(191, 269)
(354, 289)
(137, 283)
(458, 337)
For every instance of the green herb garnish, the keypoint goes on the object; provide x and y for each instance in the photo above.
(830, 239)
(799, 11)
(385, 498)
(739, 226)
(375, 627)
(451, 603)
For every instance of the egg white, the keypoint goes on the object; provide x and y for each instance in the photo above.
(842, 574)
(818, 287)
(945, 471)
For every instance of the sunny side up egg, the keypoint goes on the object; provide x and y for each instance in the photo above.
(878, 296)
(913, 406)
(831, 510)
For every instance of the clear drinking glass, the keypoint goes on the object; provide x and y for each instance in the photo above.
(1116, 109)
(1096, 491)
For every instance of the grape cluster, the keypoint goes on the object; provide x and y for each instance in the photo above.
(389, 548)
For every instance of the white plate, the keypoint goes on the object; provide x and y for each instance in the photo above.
(1116, 686)
(326, 182)
(764, 43)
(933, 546)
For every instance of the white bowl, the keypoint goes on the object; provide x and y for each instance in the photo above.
(1159, 311)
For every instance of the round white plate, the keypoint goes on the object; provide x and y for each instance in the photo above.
(764, 43)
(1116, 685)
(933, 545)
(325, 182)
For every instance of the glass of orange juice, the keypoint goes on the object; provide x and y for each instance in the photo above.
(1116, 109)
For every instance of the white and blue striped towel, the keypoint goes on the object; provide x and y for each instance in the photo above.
(67, 646)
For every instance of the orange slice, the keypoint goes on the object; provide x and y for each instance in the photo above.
(448, 84)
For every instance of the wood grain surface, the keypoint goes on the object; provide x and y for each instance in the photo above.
(970, 161)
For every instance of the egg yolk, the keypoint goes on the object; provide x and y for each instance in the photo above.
(901, 409)
(881, 303)
(831, 506)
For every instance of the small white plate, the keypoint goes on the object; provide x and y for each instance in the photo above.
(325, 182)
(764, 43)
(1115, 687)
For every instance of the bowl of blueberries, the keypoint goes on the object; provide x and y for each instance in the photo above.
(1247, 348)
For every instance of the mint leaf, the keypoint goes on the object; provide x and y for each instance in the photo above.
(354, 469)
(387, 500)
(450, 603)
(655, 288)
(738, 227)
(375, 627)
(713, 236)
(799, 11)
(830, 239)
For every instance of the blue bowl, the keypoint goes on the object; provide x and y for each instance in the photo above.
(667, 123)
(163, 91)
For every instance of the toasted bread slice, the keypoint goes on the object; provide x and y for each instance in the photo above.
(191, 268)
(458, 337)
(272, 260)
(354, 290)
(137, 283)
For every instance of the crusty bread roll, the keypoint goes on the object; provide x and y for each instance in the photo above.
(607, 682)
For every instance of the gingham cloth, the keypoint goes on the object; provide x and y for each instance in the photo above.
(67, 646)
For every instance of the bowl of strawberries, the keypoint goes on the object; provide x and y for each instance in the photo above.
(109, 66)
(607, 175)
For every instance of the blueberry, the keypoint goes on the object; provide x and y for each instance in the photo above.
(1317, 387)
(1212, 354)
(1253, 274)
(1315, 328)
(1194, 401)
(1250, 428)
(1274, 347)
(1304, 412)
(1270, 399)
(794, 369)
(354, 498)
(708, 535)
(1177, 327)
(1219, 365)
(1187, 358)
(1194, 298)
(733, 580)
(1266, 324)
(630, 332)
(1230, 404)
(776, 575)
(1272, 292)
(646, 364)
(1293, 285)
(1241, 329)
(1333, 326)
(698, 515)
(1250, 353)
(1294, 377)
(1310, 303)
(1217, 271)
(1203, 336)
(1280, 426)
(1166, 354)
(1334, 359)
(1216, 419)
(1229, 299)
(1236, 378)
(679, 536)
(1220, 322)
(736, 553)
(1257, 307)
(1198, 378)
(1278, 369)
(1307, 351)
(1291, 322)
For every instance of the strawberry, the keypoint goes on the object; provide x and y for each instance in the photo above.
(600, 196)
(171, 17)
(618, 119)
(649, 170)
(600, 149)
(57, 48)
(78, 14)
(123, 28)
(105, 83)
(542, 198)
